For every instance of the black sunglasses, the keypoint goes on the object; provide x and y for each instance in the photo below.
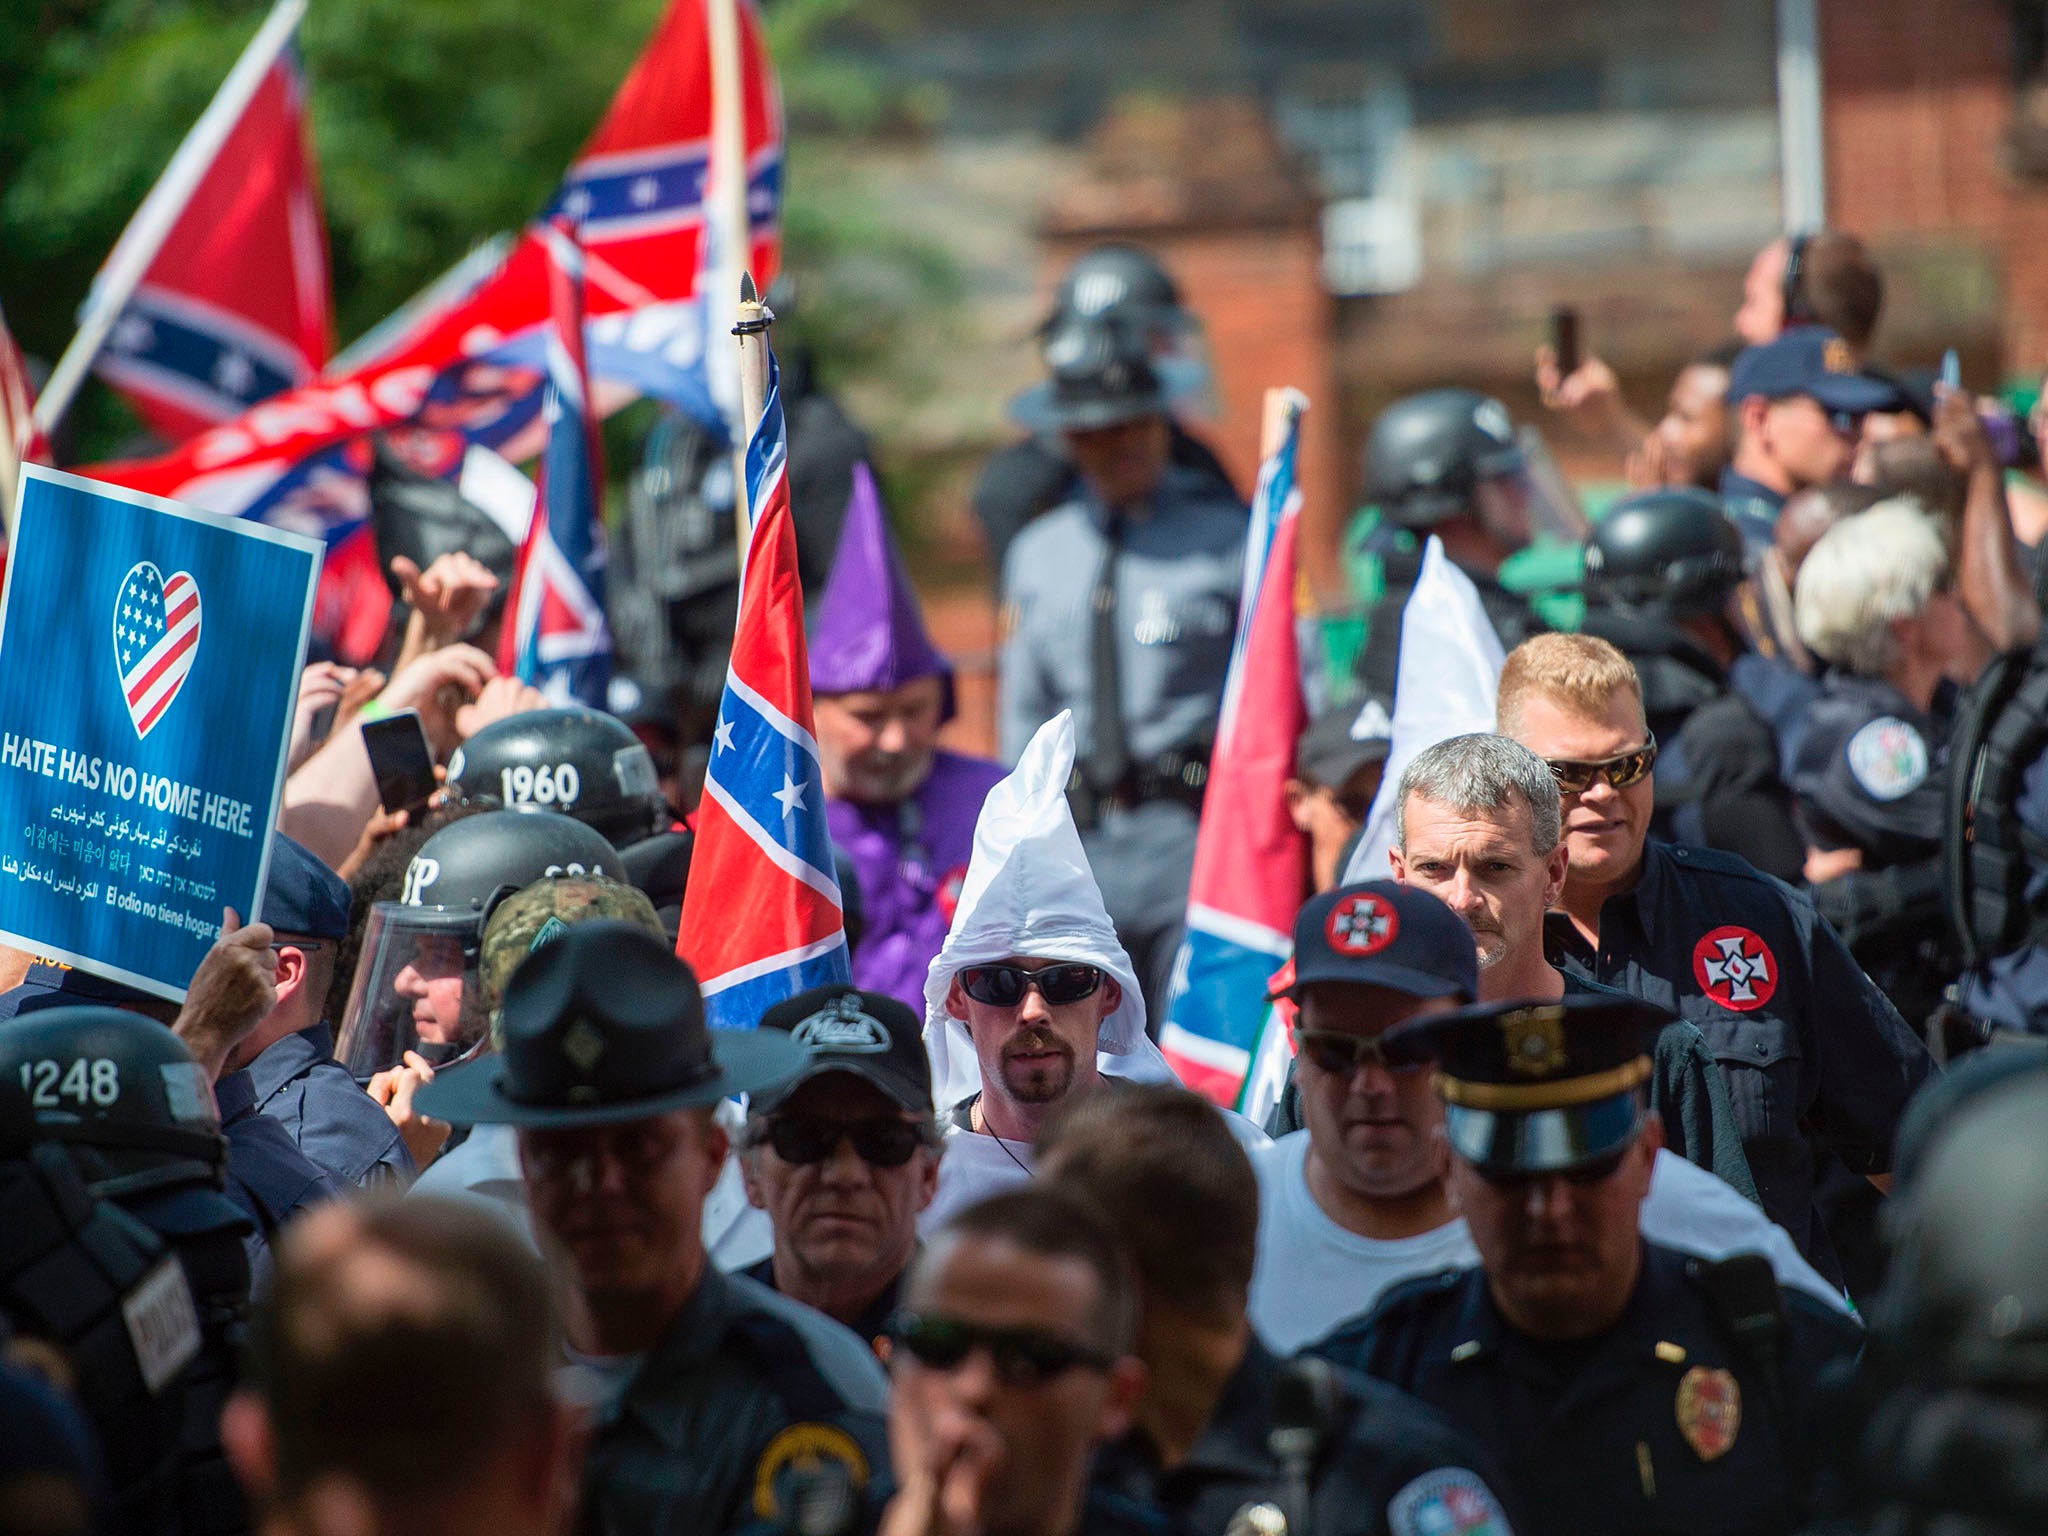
(1621, 770)
(1342, 1054)
(1004, 986)
(1023, 1357)
(882, 1143)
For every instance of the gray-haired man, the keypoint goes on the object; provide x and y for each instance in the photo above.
(1478, 825)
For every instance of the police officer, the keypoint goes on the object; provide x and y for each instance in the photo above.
(1229, 1437)
(289, 1056)
(1811, 1050)
(1876, 602)
(1446, 463)
(588, 765)
(1661, 568)
(83, 1277)
(415, 987)
(1625, 1386)
(1034, 476)
(1122, 606)
(714, 1397)
(130, 1108)
(1953, 1428)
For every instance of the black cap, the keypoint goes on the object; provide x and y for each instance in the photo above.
(1536, 1087)
(302, 894)
(1381, 934)
(1810, 360)
(601, 1025)
(1331, 750)
(869, 1034)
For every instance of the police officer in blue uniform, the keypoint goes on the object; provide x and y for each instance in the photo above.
(1626, 1387)
(1121, 606)
(127, 1104)
(1817, 1061)
(717, 1403)
(73, 1271)
(289, 1057)
(1877, 603)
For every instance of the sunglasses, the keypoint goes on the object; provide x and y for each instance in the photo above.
(880, 1143)
(1023, 1357)
(1004, 986)
(1621, 770)
(1342, 1054)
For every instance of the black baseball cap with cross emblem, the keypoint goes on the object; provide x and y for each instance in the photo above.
(602, 1025)
(1379, 933)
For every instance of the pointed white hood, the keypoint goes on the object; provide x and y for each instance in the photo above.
(1029, 891)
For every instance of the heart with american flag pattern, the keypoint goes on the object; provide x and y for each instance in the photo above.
(156, 637)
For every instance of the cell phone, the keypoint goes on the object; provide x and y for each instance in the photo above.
(1564, 339)
(401, 760)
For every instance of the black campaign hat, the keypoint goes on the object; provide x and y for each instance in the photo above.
(603, 1025)
(869, 1034)
(1537, 1087)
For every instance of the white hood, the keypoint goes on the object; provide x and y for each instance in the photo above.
(1029, 891)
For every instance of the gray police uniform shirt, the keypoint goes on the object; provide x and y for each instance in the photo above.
(1177, 590)
(745, 1392)
(300, 1085)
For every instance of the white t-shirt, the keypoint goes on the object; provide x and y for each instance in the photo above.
(977, 1165)
(1313, 1274)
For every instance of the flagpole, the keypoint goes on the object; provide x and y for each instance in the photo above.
(751, 330)
(152, 222)
(726, 221)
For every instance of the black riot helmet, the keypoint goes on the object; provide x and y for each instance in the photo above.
(1117, 279)
(121, 1093)
(581, 762)
(1429, 452)
(415, 987)
(1673, 551)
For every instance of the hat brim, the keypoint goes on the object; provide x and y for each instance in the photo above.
(1856, 394)
(748, 1061)
(887, 1084)
(1038, 410)
(1370, 973)
(1544, 1140)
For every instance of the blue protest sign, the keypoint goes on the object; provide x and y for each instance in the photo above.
(149, 663)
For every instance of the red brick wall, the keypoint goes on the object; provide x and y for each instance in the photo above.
(1918, 99)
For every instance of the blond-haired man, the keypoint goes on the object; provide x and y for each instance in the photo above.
(1811, 1049)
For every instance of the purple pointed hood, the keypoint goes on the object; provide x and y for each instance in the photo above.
(868, 635)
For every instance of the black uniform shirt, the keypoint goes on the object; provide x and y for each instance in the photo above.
(1867, 774)
(1660, 1424)
(1391, 1465)
(1804, 1038)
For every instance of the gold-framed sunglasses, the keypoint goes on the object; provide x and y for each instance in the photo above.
(1621, 770)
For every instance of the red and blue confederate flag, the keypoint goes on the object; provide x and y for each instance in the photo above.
(234, 309)
(761, 916)
(1251, 864)
(555, 635)
(472, 368)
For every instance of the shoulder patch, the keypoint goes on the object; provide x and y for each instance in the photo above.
(1449, 1501)
(1887, 758)
(803, 1452)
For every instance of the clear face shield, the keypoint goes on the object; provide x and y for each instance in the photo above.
(1549, 510)
(415, 989)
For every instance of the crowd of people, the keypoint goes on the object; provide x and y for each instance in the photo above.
(1661, 1141)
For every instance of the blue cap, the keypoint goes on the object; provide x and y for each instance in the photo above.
(1813, 361)
(1382, 934)
(304, 896)
(52, 984)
